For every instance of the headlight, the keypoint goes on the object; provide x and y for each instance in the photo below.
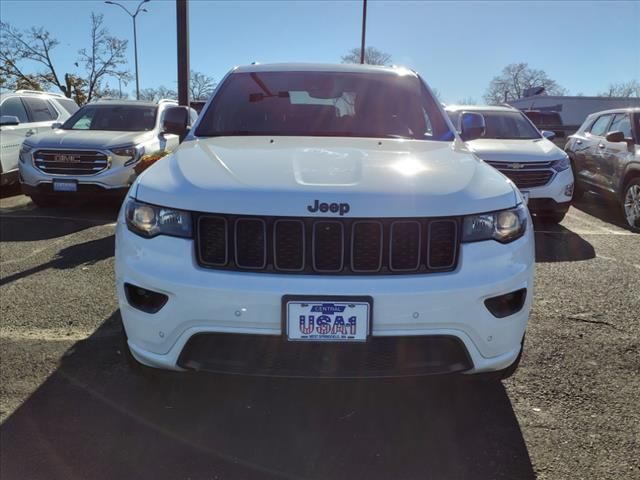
(504, 226)
(133, 153)
(150, 220)
(25, 151)
(562, 164)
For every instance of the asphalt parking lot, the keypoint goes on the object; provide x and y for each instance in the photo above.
(71, 409)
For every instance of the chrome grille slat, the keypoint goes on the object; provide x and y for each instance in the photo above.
(327, 246)
(86, 162)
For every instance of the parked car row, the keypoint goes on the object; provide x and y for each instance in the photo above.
(318, 212)
(25, 113)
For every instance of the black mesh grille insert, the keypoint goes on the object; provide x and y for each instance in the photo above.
(289, 244)
(328, 244)
(213, 240)
(366, 246)
(344, 246)
(251, 243)
(442, 234)
(405, 246)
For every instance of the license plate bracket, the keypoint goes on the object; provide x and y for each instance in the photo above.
(353, 326)
(65, 186)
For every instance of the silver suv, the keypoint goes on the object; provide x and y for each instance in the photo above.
(22, 114)
(94, 151)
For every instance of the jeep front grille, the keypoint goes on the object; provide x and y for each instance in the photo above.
(70, 162)
(525, 175)
(327, 245)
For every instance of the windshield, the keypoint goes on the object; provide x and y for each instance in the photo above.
(121, 118)
(324, 104)
(508, 126)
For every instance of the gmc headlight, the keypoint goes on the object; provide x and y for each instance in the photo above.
(150, 220)
(133, 153)
(562, 164)
(504, 226)
(25, 151)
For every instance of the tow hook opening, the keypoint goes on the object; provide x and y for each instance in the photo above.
(145, 300)
(507, 304)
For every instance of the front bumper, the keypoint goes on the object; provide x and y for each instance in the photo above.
(116, 177)
(204, 301)
(554, 196)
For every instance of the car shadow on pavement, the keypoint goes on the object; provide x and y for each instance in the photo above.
(89, 252)
(603, 207)
(93, 419)
(556, 243)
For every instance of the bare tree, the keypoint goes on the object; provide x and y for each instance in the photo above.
(20, 50)
(372, 56)
(623, 89)
(201, 86)
(155, 94)
(104, 57)
(515, 79)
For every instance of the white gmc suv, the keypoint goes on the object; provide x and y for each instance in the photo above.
(324, 220)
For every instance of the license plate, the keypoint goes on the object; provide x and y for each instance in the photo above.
(525, 195)
(327, 319)
(65, 186)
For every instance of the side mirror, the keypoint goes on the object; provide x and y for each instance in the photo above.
(6, 120)
(176, 121)
(615, 137)
(472, 126)
(548, 134)
(56, 125)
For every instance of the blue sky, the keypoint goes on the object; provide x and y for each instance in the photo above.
(456, 46)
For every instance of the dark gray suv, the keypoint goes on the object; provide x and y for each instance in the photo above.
(605, 155)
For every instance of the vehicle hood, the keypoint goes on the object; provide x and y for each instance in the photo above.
(537, 150)
(98, 139)
(283, 175)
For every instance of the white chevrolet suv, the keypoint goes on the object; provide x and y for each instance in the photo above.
(324, 220)
(95, 151)
(513, 145)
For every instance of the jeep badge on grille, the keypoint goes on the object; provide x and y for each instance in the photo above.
(340, 208)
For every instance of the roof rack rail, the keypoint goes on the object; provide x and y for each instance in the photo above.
(53, 94)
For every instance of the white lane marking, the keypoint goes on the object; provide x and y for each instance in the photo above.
(47, 335)
(592, 225)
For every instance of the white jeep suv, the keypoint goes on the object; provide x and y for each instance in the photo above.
(95, 151)
(324, 220)
(25, 113)
(513, 145)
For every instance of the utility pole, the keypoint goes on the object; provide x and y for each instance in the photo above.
(135, 36)
(364, 29)
(182, 17)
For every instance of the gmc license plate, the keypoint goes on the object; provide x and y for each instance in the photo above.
(327, 319)
(65, 186)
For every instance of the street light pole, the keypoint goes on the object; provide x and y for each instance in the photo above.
(364, 29)
(135, 37)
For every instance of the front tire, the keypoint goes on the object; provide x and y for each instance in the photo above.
(631, 204)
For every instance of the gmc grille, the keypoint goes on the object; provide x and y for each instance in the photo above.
(527, 175)
(70, 162)
(327, 246)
